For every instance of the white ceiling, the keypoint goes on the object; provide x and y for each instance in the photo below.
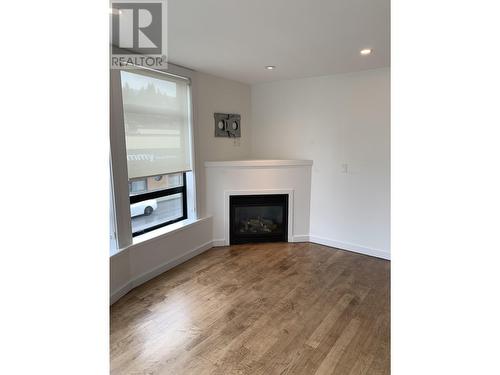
(236, 39)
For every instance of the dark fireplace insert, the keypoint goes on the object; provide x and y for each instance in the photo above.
(258, 218)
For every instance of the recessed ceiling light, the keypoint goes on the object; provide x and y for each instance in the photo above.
(270, 67)
(365, 51)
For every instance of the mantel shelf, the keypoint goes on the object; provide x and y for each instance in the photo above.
(258, 163)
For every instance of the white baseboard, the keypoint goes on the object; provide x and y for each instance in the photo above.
(350, 247)
(331, 243)
(115, 296)
(301, 238)
(219, 242)
(141, 279)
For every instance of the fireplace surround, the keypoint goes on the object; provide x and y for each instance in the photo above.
(224, 179)
(258, 218)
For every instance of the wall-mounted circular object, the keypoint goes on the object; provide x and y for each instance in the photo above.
(158, 178)
(227, 125)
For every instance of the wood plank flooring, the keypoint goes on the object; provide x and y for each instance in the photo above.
(279, 308)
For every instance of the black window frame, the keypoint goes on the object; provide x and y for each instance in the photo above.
(160, 194)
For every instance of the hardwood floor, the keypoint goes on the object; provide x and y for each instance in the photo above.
(279, 308)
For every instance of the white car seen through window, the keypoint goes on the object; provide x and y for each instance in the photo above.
(143, 208)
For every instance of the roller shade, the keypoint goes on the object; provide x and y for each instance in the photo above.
(156, 114)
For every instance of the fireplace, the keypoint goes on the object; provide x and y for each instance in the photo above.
(258, 218)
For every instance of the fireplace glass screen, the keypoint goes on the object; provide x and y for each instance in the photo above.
(258, 218)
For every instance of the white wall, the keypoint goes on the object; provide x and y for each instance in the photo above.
(334, 120)
(210, 95)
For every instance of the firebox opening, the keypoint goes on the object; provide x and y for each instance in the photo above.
(258, 218)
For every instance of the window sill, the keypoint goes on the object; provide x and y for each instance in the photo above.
(161, 233)
(165, 231)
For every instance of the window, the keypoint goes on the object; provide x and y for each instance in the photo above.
(160, 200)
(156, 113)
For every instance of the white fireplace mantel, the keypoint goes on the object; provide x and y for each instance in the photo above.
(236, 177)
(258, 163)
